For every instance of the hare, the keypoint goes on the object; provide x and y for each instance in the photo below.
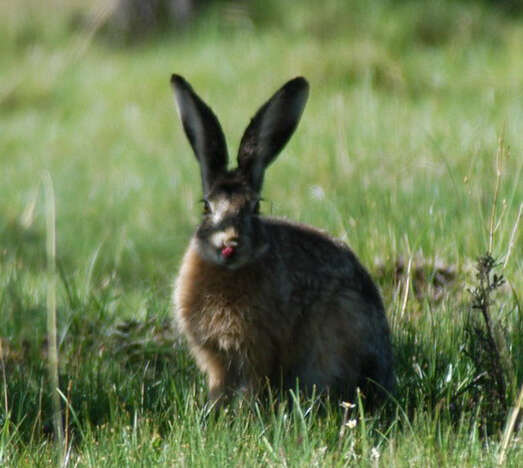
(265, 299)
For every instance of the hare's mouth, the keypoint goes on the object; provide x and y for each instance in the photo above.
(228, 251)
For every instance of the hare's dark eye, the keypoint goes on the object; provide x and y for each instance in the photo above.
(206, 207)
(256, 207)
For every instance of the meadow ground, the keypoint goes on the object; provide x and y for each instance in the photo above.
(415, 108)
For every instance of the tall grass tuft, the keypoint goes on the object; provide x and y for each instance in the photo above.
(487, 355)
(487, 346)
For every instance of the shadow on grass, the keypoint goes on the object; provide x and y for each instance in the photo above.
(134, 367)
(112, 372)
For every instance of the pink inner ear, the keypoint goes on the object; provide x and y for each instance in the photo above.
(227, 251)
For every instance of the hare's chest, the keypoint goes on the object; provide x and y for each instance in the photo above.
(216, 308)
(223, 322)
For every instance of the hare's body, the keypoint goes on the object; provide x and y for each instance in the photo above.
(305, 312)
(262, 299)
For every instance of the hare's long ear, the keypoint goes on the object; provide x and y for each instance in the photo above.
(203, 131)
(270, 129)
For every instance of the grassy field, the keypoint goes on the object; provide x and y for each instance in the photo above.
(414, 118)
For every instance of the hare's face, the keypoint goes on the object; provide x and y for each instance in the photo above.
(231, 233)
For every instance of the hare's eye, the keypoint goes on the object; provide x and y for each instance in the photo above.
(206, 207)
(256, 207)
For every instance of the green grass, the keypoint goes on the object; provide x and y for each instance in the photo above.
(396, 154)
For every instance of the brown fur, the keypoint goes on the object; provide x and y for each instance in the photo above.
(266, 299)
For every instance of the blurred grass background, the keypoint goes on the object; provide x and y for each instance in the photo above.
(396, 154)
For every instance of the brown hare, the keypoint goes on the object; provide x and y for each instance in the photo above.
(262, 298)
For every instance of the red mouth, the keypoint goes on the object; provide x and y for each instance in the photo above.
(228, 251)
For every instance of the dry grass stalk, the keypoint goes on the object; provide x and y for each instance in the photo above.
(500, 155)
(512, 240)
(4, 378)
(509, 427)
(50, 209)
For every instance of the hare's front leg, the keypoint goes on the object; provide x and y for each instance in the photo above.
(214, 367)
(221, 375)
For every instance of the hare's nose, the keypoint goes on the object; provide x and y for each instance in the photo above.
(230, 237)
(232, 242)
(226, 238)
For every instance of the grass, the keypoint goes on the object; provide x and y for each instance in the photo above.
(396, 154)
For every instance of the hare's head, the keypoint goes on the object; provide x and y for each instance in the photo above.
(231, 233)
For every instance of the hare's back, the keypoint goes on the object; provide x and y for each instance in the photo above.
(319, 261)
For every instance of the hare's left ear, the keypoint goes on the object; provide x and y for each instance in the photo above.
(203, 132)
(270, 129)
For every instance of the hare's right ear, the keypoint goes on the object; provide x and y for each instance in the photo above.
(203, 131)
(270, 130)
